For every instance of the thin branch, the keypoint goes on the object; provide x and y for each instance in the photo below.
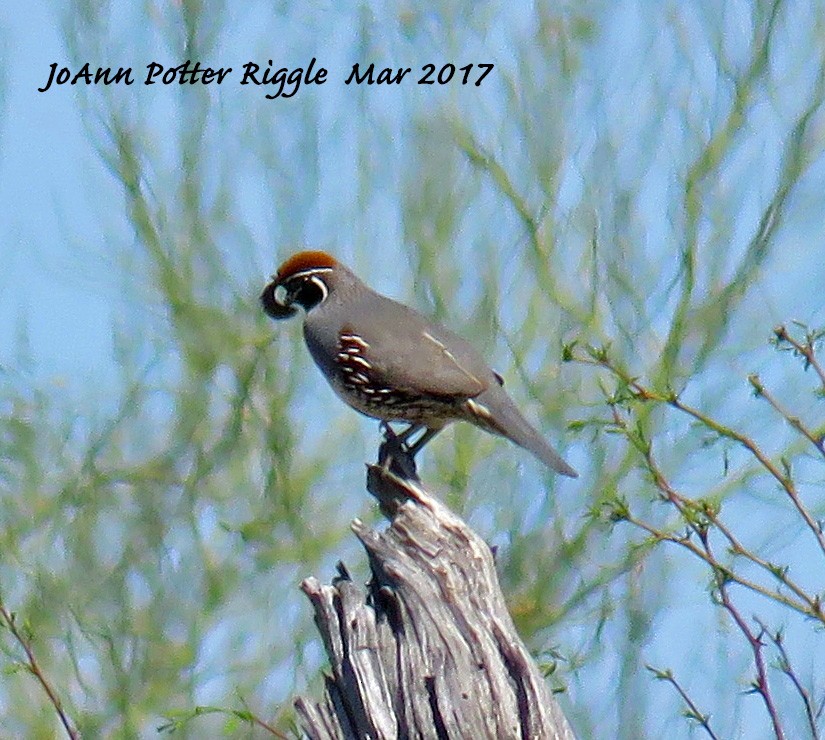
(784, 480)
(703, 720)
(760, 685)
(778, 572)
(639, 392)
(706, 165)
(31, 665)
(803, 349)
(699, 517)
(179, 719)
(760, 390)
(786, 668)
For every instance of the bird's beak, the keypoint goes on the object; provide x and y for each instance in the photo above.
(277, 303)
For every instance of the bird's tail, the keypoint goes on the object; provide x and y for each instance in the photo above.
(495, 411)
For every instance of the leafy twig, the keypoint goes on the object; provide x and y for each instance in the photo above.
(632, 389)
(760, 390)
(804, 349)
(177, 720)
(786, 668)
(760, 684)
(699, 517)
(692, 712)
(9, 621)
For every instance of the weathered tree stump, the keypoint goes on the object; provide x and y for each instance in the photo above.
(429, 650)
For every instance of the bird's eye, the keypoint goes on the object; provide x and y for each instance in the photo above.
(280, 295)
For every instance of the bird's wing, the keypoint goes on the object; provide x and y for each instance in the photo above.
(409, 354)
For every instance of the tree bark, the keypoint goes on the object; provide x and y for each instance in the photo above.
(429, 650)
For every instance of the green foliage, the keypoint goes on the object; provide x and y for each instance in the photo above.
(586, 219)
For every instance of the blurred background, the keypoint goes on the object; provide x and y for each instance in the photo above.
(644, 176)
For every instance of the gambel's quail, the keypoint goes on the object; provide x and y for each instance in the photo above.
(389, 362)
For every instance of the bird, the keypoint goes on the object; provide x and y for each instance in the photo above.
(391, 363)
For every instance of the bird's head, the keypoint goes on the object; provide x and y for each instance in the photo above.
(303, 281)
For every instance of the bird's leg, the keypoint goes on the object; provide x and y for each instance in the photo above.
(397, 451)
(394, 454)
(407, 433)
(415, 448)
(399, 440)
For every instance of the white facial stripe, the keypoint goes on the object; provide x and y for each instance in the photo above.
(280, 295)
(310, 271)
(321, 285)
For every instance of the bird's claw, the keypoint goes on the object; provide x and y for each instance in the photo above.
(387, 432)
(394, 455)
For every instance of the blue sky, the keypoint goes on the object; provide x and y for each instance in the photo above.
(50, 232)
(54, 243)
(63, 222)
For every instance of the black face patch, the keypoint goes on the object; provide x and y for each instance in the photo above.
(309, 291)
(281, 297)
(499, 379)
(272, 306)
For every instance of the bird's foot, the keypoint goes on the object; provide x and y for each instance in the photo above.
(394, 455)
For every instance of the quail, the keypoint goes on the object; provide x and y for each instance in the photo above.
(391, 363)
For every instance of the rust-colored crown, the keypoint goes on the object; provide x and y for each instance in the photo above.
(305, 261)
